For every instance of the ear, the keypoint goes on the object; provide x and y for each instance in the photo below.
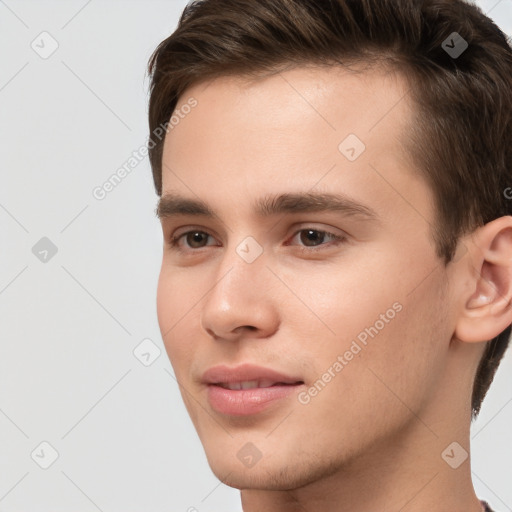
(487, 306)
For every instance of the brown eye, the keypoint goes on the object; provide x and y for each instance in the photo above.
(194, 237)
(312, 236)
(194, 240)
(312, 240)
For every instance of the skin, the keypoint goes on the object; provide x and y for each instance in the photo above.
(372, 439)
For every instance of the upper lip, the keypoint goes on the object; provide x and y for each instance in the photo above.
(223, 374)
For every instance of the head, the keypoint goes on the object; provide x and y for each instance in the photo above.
(380, 103)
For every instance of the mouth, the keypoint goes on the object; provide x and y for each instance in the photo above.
(252, 384)
(248, 389)
(247, 375)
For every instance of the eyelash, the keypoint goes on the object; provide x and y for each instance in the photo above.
(337, 240)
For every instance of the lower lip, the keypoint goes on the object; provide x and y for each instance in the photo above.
(243, 402)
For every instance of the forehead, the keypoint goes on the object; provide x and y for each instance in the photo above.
(308, 127)
(295, 110)
(363, 94)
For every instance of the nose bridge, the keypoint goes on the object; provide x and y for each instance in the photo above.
(244, 260)
(240, 272)
(239, 295)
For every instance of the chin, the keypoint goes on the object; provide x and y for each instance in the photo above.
(271, 479)
(276, 473)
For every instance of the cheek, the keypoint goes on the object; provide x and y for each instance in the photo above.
(165, 303)
(339, 301)
(177, 310)
(402, 360)
(375, 312)
(386, 378)
(179, 296)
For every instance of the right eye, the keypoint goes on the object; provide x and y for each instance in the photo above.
(192, 238)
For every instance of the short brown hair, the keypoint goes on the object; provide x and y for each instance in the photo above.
(462, 133)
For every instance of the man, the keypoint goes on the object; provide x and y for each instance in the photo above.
(336, 280)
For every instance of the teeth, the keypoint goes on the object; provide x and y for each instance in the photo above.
(265, 383)
(248, 384)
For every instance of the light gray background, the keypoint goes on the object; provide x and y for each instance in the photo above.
(69, 326)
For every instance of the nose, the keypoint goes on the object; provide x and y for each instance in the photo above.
(240, 301)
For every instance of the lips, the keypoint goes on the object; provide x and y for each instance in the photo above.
(250, 384)
(247, 389)
(248, 376)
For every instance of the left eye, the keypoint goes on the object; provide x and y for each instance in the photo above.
(314, 235)
(309, 236)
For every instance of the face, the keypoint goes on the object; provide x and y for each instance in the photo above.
(348, 303)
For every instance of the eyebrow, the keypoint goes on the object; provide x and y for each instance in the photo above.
(172, 204)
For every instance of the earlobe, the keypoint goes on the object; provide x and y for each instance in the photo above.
(487, 311)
